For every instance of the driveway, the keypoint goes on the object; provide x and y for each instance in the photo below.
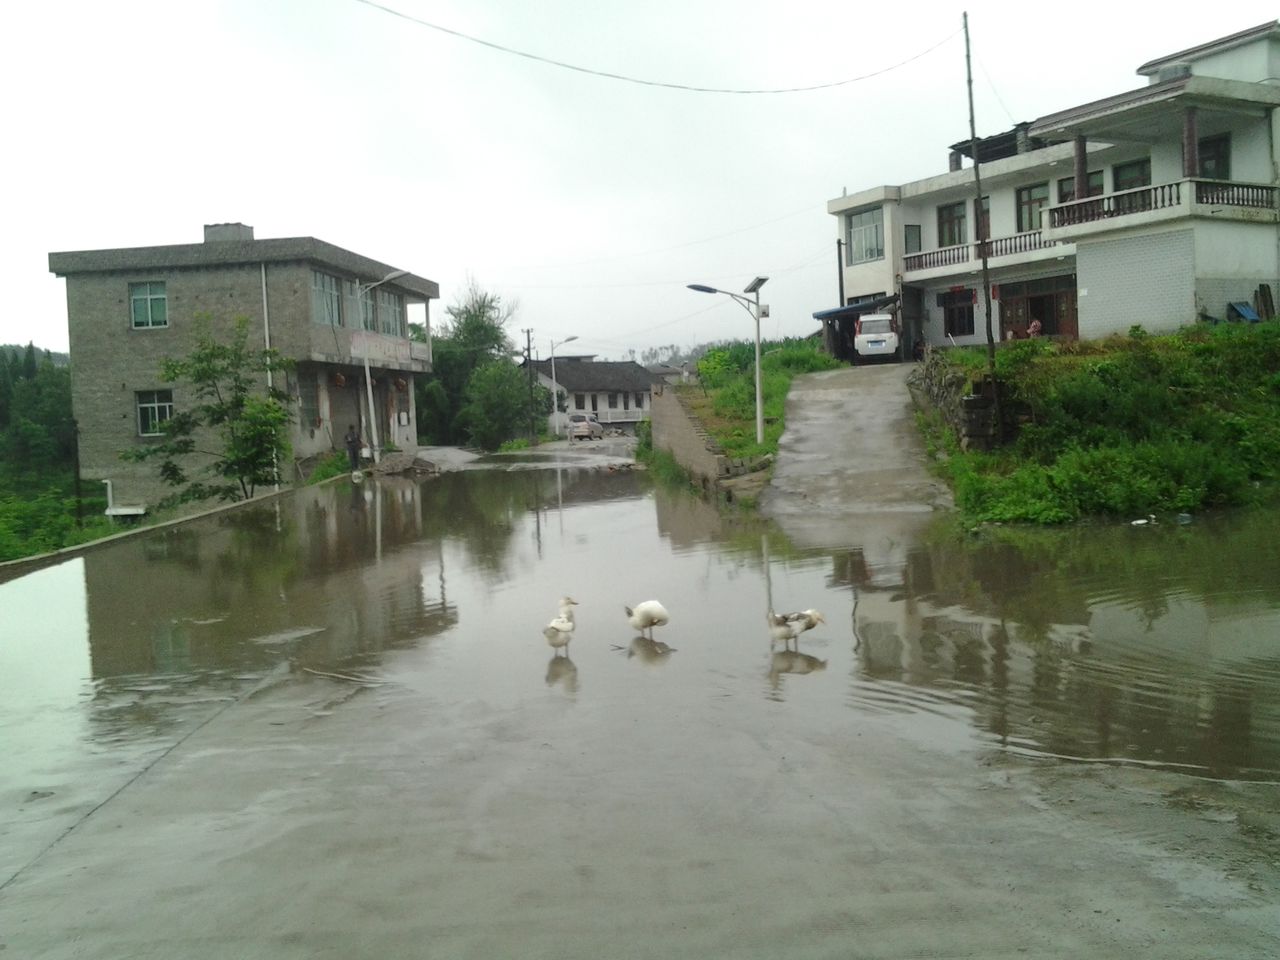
(851, 463)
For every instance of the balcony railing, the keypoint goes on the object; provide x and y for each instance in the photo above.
(617, 416)
(1224, 194)
(1162, 197)
(942, 257)
(969, 252)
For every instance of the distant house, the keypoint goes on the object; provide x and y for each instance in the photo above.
(669, 373)
(1154, 206)
(335, 313)
(619, 393)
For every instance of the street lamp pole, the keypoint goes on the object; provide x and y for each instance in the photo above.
(555, 387)
(752, 307)
(361, 290)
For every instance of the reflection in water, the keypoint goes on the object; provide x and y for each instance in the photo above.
(649, 651)
(562, 671)
(1154, 645)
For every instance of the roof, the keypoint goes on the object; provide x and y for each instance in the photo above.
(1213, 46)
(591, 375)
(235, 253)
(857, 309)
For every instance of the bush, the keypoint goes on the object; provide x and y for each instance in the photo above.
(333, 465)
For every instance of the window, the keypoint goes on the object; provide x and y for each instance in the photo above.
(951, 228)
(579, 401)
(147, 305)
(308, 398)
(391, 313)
(154, 408)
(982, 219)
(1130, 176)
(326, 299)
(365, 308)
(639, 401)
(1031, 202)
(613, 401)
(957, 312)
(1067, 187)
(626, 401)
(911, 238)
(1215, 157)
(864, 236)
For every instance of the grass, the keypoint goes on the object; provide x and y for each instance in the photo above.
(1129, 426)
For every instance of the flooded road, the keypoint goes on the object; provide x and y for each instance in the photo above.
(330, 725)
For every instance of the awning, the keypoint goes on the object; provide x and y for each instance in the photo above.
(857, 309)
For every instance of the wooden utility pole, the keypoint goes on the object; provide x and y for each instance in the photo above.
(982, 241)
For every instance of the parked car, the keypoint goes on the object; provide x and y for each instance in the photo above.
(876, 335)
(584, 426)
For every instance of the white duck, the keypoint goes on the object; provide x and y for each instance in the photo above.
(560, 630)
(788, 626)
(646, 616)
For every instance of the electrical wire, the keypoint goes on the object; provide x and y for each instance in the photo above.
(688, 88)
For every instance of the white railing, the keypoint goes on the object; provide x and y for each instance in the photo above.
(617, 416)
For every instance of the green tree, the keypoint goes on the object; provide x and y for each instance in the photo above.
(474, 336)
(238, 424)
(498, 406)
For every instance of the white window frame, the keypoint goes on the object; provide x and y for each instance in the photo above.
(150, 293)
(864, 236)
(160, 409)
(391, 313)
(326, 299)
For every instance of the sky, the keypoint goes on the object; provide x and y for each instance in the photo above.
(587, 202)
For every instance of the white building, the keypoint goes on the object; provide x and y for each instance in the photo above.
(1178, 219)
(618, 393)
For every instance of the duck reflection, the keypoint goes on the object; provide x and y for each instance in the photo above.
(649, 651)
(792, 661)
(563, 671)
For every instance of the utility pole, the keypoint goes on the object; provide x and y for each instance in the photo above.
(982, 241)
(528, 358)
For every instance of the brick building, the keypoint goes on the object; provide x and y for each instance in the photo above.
(335, 313)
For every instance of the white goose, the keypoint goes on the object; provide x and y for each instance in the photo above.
(646, 616)
(788, 626)
(560, 630)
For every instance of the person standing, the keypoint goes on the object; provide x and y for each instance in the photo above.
(352, 440)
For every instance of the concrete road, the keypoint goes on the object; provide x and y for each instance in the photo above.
(851, 465)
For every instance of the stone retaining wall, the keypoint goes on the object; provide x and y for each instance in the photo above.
(967, 408)
(678, 431)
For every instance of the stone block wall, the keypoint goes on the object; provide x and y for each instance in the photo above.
(678, 432)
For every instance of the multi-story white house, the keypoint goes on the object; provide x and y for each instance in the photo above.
(618, 393)
(1177, 219)
(341, 317)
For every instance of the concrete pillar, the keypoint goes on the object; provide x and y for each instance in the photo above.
(1190, 144)
(1081, 168)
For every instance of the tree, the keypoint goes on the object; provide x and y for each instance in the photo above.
(474, 336)
(498, 406)
(237, 427)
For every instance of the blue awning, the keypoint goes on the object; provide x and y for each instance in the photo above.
(854, 310)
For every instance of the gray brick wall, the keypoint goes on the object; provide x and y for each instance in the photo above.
(1147, 280)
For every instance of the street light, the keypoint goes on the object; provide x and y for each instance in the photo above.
(361, 290)
(555, 388)
(752, 307)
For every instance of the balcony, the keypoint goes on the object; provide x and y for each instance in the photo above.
(971, 253)
(617, 415)
(1221, 199)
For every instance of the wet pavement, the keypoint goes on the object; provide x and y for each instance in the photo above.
(330, 726)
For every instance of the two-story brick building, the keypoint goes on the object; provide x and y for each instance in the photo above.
(1176, 220)
(335, 313)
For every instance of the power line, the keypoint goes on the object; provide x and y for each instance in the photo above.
(649, 83)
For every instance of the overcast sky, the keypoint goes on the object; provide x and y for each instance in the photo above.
(585, 202)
